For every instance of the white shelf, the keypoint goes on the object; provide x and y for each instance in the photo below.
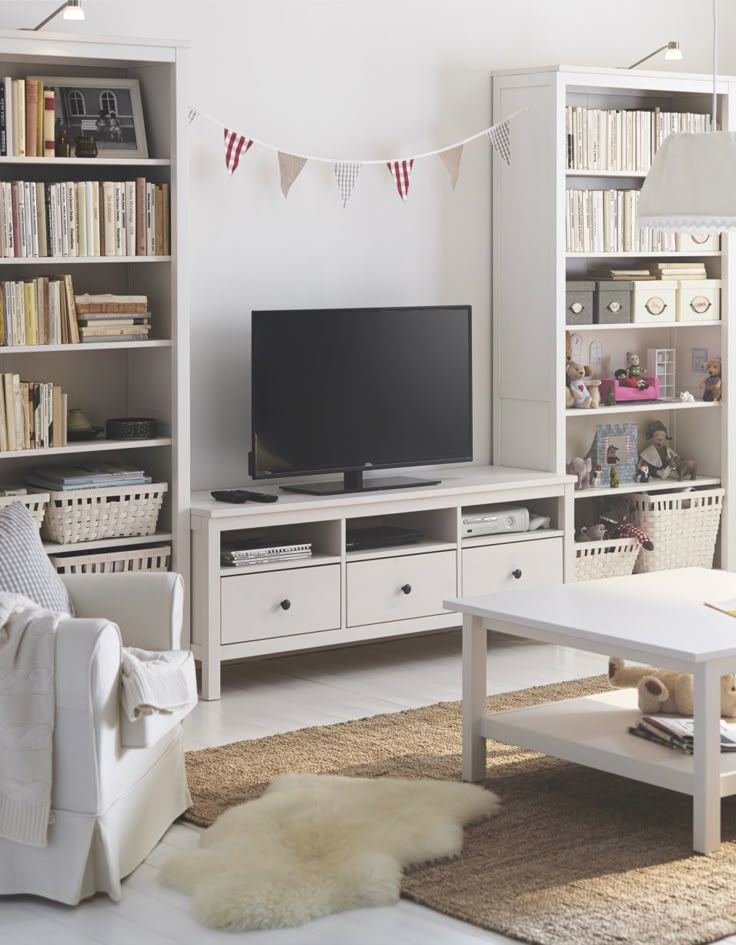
(82, 547)
(541, 533)
(654, 485)
(577, 173)
(287, 565)
(89, 446)
(395, 551)
(92, 346)
(71, 161)
(619, 326)
(630, 255)
(76, 260)
(648, 406)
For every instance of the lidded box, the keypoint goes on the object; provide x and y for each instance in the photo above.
(613, 302)
(655, 300)
(699, 300)
(579, 303)
(697, 242)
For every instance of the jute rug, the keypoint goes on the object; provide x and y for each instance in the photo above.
(576, 857)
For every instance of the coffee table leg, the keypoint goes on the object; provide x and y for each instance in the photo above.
(707, 760)
(474, 697)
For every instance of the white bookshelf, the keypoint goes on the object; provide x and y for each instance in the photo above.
(531, 265)
(149, 378)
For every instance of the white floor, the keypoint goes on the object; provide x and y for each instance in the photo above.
(269, 696)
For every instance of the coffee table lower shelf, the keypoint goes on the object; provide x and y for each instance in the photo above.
(593, 731)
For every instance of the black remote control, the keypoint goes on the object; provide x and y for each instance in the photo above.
(242, 495)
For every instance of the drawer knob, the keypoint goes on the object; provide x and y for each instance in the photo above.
(406, 589)
(285, 604)
(516, 573)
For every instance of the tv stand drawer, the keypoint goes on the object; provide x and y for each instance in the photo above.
(279, 603)
(517, 564)
(399, 588)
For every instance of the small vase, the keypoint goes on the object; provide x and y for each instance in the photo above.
(86, 147)
(78, 421)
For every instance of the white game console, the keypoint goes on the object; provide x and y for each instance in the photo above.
(498, 520)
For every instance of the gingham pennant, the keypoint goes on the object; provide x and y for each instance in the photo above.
(500, 138)
(346, 173)
(290, 167)
(192, 114)
(235, 146)
(401, 171)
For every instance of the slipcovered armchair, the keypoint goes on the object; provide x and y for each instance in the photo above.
(117, 784)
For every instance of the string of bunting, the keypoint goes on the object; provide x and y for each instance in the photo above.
(291, 165)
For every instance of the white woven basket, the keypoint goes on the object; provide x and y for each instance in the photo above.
(683, 527)
(35, 502)
(613, 557)
(108, 562)
(89, 514)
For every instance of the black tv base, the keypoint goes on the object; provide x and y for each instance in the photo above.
(354, 482)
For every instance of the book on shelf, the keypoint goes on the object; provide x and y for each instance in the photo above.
(39, 311)
(681, 270)
(605, 221)
(87, 476)
(32, 414)
(108, 303)
(678, 732)
(26, 118)
(83, 218)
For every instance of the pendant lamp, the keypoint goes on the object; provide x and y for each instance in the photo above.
(691, 185)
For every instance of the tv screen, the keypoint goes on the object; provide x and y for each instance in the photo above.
(358, 389)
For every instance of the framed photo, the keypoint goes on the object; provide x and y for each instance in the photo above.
(108, 109)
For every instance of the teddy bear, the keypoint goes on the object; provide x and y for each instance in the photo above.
(663, 691)
(711, 386)
(581, 391)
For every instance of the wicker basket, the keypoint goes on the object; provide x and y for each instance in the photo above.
(90, 514)
(35, 502)
(614, 557)
(683, 527)
(107, 562)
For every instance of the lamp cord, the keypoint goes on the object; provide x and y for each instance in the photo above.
(715, 60)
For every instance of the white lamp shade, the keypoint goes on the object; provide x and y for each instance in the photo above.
(73, 13)
(691, 186)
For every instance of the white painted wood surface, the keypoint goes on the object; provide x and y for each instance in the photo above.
(512, 566)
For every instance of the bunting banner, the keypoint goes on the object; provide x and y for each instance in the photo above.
(192, 114)
(290, 167)
(401, 172)
(235, 145)
(346, 173)
(500, 138)
(451, 159)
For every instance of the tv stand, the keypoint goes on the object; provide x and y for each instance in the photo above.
(353, 481)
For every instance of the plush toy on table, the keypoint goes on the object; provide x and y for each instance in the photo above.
(711, 386)
(665, 690)
(582, 390)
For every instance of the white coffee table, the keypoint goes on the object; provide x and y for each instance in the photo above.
(659, 619)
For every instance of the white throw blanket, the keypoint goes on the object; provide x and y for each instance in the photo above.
(156, 682)
(27, 648)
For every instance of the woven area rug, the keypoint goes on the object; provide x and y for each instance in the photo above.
(576, 857)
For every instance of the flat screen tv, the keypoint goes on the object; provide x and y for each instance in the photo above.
(353, 390)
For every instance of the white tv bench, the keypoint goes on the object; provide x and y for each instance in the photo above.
(338, 596)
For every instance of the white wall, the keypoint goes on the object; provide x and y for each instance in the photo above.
(353, 78)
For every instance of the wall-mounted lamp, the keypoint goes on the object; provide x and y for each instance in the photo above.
(672, 51)
(72, 10)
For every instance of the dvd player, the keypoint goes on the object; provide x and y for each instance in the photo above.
(380, 536)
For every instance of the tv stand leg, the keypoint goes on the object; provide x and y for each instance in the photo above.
(353, 480)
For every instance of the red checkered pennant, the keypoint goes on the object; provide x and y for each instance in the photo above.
(235, 146)
(401, 171)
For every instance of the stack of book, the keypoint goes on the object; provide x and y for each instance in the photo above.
(113, 318)
(241, 552)
(678, 732)
(26, 118)
(601, 139)
(84, 218)
(32, 414)
(628, 275)
(87, 476)
(604, 221)
(680, 270)
(38, 312)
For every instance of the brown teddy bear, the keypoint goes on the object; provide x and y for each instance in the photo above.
(581, 391)
(711, 386)
(663, 691)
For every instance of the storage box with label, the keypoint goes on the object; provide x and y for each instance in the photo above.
(697, 242)
(655, 301)
(699, 300)
(613, 302)
(579, 301)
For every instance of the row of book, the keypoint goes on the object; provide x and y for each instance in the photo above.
(676, 270)
(32, 414)
(38, 311)
(84, 218)
(93, 475)
(605, 221)
(26, 118)
(112, 318)
(601, 139)
(242, 552)
(678, 733)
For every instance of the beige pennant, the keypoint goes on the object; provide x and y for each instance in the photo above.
(451, 159)
(290, 166)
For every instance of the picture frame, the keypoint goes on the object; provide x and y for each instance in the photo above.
(109, 109)
(615, 444)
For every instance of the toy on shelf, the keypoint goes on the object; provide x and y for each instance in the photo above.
(616, 519)
(662, 460)
(661, 364)
(582, 391)
(580, 468)
(615, 482)
(642, 471)
(621, 388)
(614, 447)
(686, 397)
(665, 690)
(682, 468)
(595, 478)
(591, 533)
(711, 386)
(636, 383)
(634, 373)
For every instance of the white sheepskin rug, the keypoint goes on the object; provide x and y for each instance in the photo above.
(316, 844)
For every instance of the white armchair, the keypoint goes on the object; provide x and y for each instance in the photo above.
(111, 803)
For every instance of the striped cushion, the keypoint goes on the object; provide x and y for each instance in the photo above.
(24, 566)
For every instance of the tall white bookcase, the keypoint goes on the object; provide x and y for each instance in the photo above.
(149, 378)
(531, 264)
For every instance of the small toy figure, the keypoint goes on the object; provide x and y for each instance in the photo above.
(616, 520)
(611, 457)
(711, 386)
(595, 481)
(580, 468)
(633, 368)
(610, 397)
(615, 483)
(593, 533)
(638, 383)
(686, 397)
(642, 472)
(582, 391)
(658, 455)
(683, 467)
